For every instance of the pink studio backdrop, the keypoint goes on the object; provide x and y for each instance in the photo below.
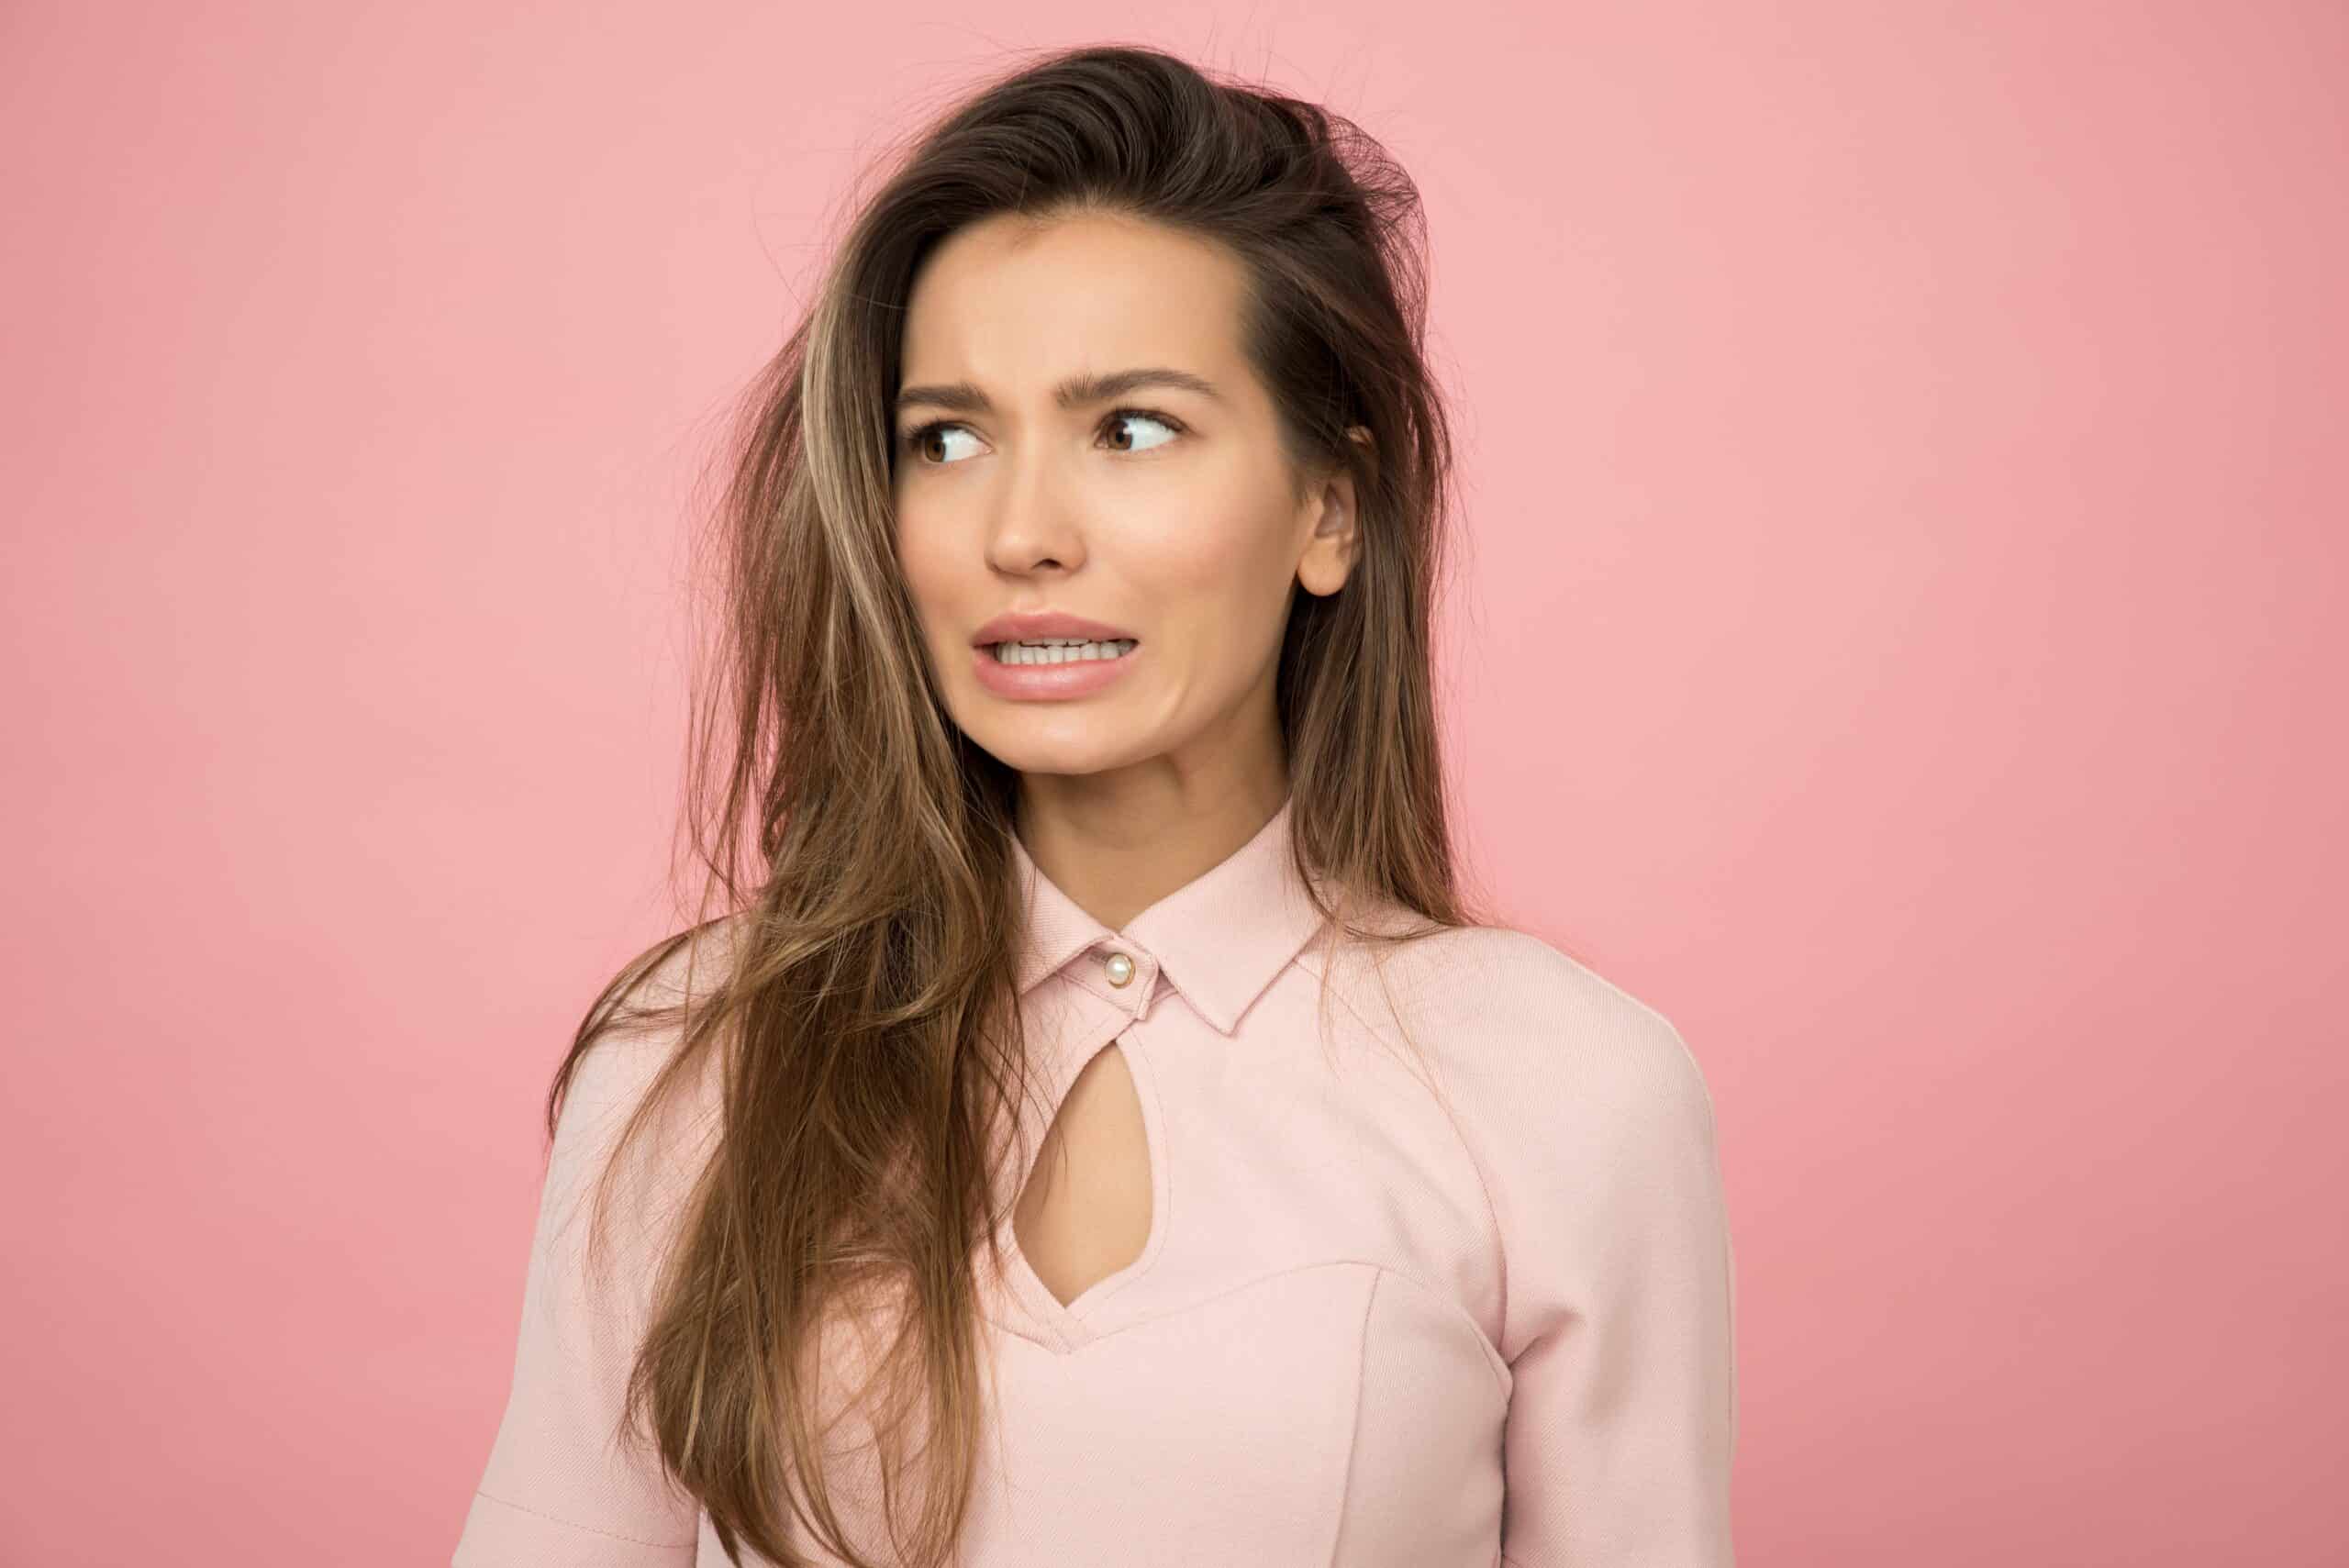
(1901, 639)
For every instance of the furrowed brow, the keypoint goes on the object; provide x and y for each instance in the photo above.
(1076, 392)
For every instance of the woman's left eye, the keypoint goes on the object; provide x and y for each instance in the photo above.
(915, 439)
(1124, 414)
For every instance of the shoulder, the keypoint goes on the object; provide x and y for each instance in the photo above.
(644, 1010)
(1582, 1109)
(690, 964)
(1510, 1017)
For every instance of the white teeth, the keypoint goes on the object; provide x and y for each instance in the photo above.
(1060, 650)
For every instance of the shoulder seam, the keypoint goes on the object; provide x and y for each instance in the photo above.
(1654, 1014)
(584, 1529)
(1476, 1165)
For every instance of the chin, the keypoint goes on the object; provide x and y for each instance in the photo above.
(1070, 741)
(1030, 756)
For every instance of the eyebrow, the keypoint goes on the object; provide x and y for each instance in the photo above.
(1076, 392)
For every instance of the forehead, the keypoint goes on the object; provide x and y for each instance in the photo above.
(1016, 305)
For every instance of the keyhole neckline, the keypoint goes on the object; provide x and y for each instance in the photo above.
(1067, 1325)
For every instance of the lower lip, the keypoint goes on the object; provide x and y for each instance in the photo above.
(1048, 682)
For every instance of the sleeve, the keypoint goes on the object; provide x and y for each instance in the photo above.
(560, 1486)
(1620, 1304)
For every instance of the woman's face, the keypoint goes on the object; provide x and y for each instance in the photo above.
(1159, 510)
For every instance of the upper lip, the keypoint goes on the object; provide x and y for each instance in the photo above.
(1047, 623)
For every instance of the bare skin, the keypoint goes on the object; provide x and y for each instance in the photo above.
(1165, 512)
(1085, 1213)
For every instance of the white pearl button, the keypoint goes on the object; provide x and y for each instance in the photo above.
(1121, 967)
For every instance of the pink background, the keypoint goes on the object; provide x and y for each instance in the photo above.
(1906, 596)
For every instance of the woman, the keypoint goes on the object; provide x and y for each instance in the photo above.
(1094, 1131)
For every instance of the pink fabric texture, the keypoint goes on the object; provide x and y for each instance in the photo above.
(1444, 1279)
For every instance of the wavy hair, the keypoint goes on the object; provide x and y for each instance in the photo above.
(863, 1025)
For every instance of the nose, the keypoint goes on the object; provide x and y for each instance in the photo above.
(1031, 526)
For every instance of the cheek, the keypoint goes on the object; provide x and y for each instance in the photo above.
(1221, 560)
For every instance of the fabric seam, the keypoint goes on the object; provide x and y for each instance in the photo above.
(584, 1529)
(1468, 1152)
(1354, 1439)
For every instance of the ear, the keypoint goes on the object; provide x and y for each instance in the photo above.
(1335, 543)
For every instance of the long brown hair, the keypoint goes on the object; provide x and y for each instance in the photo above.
(861, 1018)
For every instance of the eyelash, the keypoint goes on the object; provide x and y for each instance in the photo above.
(910, 442)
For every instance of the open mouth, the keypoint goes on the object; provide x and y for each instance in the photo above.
(1059, 651)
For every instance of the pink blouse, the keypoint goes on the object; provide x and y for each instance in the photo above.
(1370, 1327)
